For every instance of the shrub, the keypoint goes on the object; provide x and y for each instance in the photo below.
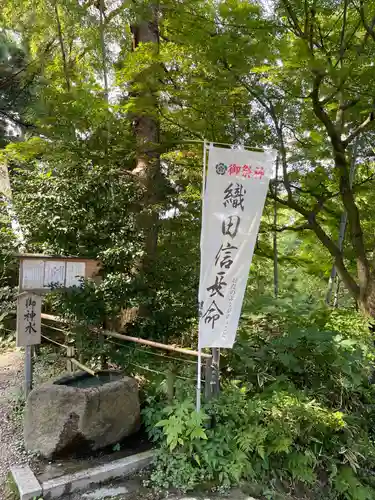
(333, 367)
(298, 417)
(277, 435)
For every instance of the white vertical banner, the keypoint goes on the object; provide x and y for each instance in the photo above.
(234, 196)
(6, 192)
(5, 188)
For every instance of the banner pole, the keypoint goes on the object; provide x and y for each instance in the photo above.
(216, 370)
(204, 171)
(199, 367)
(199, 380)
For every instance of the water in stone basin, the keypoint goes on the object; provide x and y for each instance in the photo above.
(85, 380)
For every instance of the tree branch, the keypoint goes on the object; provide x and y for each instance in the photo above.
(368, 27)
(359, 129)
(17, 121)
(62, 48)
(322, 115)
(334, 250)
(340, 163)
(302, 227)
(293, 19)
(331, 246)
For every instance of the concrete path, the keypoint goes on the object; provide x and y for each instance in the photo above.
(133, 490)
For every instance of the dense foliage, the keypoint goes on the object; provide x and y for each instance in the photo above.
(295, 415)
(104, 107)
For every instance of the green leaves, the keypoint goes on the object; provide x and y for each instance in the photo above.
(347, 484)
(283, 431)
(183, 427)
(301, 466)
(309, 418)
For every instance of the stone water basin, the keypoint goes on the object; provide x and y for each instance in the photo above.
(81, 412)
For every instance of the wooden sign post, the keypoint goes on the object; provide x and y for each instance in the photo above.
(29, 308)
(38, 275)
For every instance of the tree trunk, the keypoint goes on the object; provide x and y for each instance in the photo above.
(366, 302)
(147, 168)
(103, 49)
(62, 48)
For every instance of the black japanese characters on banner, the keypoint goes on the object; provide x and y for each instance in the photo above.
(230, 226)
(234, 196)
(212, 314)
(234, 193)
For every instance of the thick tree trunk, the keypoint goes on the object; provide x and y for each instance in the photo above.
(62, 48)
(144, 92)
(147, 168)
(146, 129)
(102, 7)
(366, 301)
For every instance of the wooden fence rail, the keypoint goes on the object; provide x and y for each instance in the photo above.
(209, 388)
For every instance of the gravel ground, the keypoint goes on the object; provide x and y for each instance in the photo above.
(11, 377)
(12, 452)
(113, 493)
(133, 489)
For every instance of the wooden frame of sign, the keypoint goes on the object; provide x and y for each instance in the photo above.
(39, 273)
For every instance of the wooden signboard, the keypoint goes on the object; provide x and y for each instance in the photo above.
(38, 275)
(29, 307)
(41, 273)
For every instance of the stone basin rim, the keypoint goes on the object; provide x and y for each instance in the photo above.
(103, 377)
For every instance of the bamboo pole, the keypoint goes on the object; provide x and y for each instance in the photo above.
(83, 367)
(51, 317)
(137, 340)
(54, 341)
(151, 343)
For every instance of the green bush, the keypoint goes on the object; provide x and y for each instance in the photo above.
(333, 367)
(328, 353)
(299, 416)
(277, 435)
